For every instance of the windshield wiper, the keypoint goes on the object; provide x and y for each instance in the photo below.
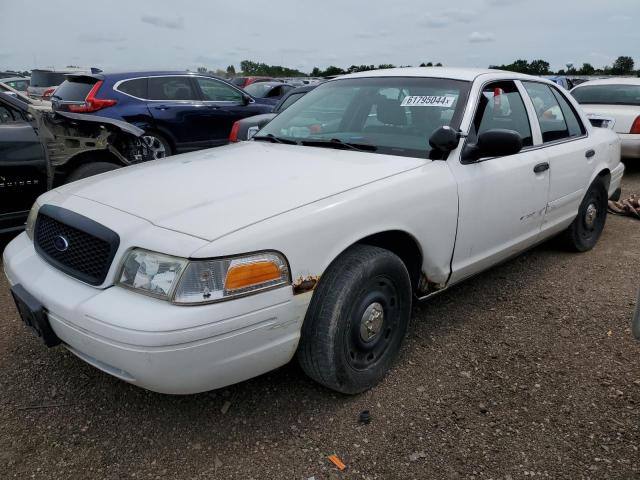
(337, 143)
(270, 137)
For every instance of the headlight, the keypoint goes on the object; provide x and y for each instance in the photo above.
(203, 281)
(31, 220)
(152, 273)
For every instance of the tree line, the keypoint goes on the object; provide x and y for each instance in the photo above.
(623, 65)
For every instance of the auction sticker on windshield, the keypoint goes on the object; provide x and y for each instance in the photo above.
(428, 101)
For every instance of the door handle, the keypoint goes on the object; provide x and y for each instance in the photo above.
(161, 107)
(541, 167)
(590, 153)
(214, 107)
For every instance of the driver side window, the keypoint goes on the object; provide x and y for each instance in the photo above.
(501, 107)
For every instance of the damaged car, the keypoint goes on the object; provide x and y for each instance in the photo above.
(313, 239)
(40, 150)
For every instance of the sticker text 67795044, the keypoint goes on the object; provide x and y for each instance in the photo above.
(428, 101)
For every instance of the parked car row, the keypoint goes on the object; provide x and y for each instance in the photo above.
(314, 238)
(40, 150)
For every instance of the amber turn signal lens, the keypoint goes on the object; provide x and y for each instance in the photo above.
(250, 274)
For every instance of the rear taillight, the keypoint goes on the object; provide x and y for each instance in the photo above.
(48, 92)
(233, 136)
(635, 128)
(91, 103)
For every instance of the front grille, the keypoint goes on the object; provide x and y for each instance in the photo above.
(75, 244)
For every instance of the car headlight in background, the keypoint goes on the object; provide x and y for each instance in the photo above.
(192, 282)
(31, 220)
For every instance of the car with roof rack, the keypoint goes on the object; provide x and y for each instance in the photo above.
(313, 240)
(178, 111)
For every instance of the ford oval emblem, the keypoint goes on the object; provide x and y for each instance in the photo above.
(61, 243)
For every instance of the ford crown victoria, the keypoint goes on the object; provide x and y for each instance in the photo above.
(312, 240)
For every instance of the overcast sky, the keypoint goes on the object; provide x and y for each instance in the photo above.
(145, 34)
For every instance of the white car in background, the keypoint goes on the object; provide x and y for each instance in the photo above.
(205, 269)
(617, 99)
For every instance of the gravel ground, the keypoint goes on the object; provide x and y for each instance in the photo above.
(528, 370)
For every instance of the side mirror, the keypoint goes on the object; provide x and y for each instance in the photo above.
(493, 143)
(246, 99)
(444, 139)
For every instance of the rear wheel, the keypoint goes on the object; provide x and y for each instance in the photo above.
(357, 320)
(586, 228)
(90, 169)
(157, 144)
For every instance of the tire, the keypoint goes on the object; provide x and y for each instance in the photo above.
(90, 169)
(585, 230)
(158, 144)
(346, 344)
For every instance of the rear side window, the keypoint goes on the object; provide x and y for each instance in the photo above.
(46, 79)
(502, 107)
(171, 88)
(20, 85)
(75, 89)
(574, 124)
(550, 116)
(608, 94)
(136, 87)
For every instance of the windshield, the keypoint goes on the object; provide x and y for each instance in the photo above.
(608, 94)
(392, 115)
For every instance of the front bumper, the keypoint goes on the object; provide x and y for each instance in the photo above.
(154, 344)
(630, 147)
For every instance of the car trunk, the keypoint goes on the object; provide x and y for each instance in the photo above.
(624, 115)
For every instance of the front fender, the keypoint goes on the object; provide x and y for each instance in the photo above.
(421, 202)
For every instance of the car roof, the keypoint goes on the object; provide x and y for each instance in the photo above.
(611, 81)
(13, 79)
(119, 75)
(467, 74)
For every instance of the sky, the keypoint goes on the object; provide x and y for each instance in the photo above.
(302, 34)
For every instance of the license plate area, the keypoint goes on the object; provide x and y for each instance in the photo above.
(33, 315)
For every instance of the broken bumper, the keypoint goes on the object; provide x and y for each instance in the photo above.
(232, 341)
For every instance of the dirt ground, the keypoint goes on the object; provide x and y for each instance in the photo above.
(526, 371)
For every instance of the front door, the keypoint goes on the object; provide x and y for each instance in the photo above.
(225, 104)
(502, 200)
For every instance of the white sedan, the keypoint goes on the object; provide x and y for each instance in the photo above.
(376, 189)
(617, 99)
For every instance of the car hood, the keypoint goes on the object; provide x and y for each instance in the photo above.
(211, 193)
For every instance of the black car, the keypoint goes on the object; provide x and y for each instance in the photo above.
(247, 127)
(40, 150)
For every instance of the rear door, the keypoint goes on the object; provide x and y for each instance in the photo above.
(568, 150)
(224, 105)
(23, 168)
(177, 110)
(501, 199)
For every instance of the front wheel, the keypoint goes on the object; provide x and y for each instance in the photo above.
(357, 320)
(586, 228)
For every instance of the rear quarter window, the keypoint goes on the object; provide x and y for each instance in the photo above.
(136, 87)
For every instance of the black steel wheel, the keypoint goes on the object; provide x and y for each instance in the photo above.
(357, 320)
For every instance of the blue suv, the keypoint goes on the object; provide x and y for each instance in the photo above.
(178, 111)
